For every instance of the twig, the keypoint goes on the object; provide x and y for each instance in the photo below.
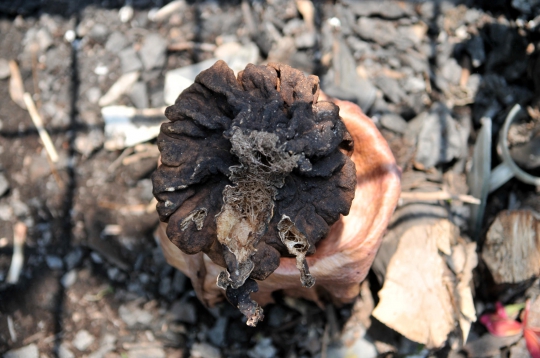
(150, 153)
(439, 195)
(17, 260)
(55, 174)
(134, 208)
(38, 122)
(190, 45)
(116, 163)
(33, 338)
(16, 86)
(11, 329)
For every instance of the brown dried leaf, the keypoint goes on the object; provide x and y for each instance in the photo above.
(417, 288)
(512, 247)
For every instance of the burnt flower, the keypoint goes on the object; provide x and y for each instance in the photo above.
(253, 169)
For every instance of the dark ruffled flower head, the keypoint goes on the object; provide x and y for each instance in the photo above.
(253, 168)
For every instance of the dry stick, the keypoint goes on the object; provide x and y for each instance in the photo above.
(55, 174)
(190, 45)
(11, 329)
(16, 86)
(38, 122)
(17, 260)
(439, 195)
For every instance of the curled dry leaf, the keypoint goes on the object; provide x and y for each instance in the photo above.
(428, 282)
(512, 247)
(254, 172)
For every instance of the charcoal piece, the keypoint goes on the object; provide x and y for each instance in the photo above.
(253, 168)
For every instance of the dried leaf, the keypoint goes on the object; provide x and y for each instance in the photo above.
(417, 288)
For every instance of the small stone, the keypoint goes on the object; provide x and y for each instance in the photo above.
(165, 286)
(64, 352)
(99, 33)
(441, 139)
(4, 69)
(86, 144)
(472, 15)
(43, 39)
(29, 351)
(394, 123)
(129, 60)
(305, 39)
(4, 184)
(70, 36)
(153, 51)
(125, 13)
(391, 88)
(414, 60)
(73, 258)
(54, 262)
(414, 84)
(96, 258)
(116, 42)
(263, 349)
(113, 273)
(93, 94)
(133, 315)
(204, 350)
(145, 352)
(184, 312)
(83, 339)
(380, 8)
(139, 95)
(451, 71)
(69, 279)
(101, 70)
(6, 212)
(107, 345)
(216, 335)
(380, 31)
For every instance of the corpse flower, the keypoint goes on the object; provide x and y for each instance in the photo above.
(256, 177)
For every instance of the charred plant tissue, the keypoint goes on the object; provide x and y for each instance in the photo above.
(253, 168)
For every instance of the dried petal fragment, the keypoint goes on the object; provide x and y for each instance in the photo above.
(298, 246)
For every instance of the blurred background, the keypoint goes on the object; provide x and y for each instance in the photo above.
(83, 85)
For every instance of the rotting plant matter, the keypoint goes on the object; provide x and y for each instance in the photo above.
(253, 168)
